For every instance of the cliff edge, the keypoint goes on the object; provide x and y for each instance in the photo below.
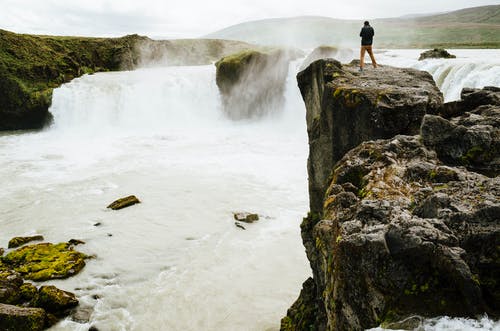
(400, 226)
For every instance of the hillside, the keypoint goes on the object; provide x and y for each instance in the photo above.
(477, 27)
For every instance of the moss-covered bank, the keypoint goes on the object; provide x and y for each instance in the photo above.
(32, 66)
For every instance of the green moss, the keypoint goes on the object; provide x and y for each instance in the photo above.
(45, 261)
(31, 66)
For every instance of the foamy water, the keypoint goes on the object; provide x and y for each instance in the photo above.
(176, 261)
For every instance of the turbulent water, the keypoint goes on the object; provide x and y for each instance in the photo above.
(177, 261)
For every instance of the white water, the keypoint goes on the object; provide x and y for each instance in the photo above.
(176, 261)
(471, 68)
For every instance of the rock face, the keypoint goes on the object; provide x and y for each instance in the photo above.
(252, 82)
(345, 108)
(401, 230)
(436, 53)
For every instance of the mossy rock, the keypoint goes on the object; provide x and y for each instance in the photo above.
(124, 202)
(13, 318)
(19, 241)
(45, 261)
(436, 53)
(54, 300)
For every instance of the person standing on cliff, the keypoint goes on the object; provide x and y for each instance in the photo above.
(366, 35)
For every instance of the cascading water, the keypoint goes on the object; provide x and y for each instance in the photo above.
(176, 261)
(471, 68)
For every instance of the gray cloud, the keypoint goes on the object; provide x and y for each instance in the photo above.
(191, 18)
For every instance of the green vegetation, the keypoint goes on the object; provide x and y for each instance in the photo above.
(32, 66)
(45, 261)
(468, 28)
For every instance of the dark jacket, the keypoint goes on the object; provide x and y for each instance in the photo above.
(366, 35)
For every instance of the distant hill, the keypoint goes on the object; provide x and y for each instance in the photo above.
(477, 27)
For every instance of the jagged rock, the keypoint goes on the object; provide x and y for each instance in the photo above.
(404, 244)
(19, 241)
(13, 318)
(473, 138)
(436, 53)
(345, 108)
(246, 217)
(252, 82)
(54, 300)
(396, 230)
(124, 202)
(45, 261)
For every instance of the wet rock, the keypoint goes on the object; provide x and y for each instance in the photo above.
(75, 242)
(13, 318)
(252, 82)
(10, 283)
(246, 217)
(1, 251)
(93, 328)
(19, 241)
(45, 261)
(82, 314)
(345, 108)
(436, 53)
(54, 300)
(124, 202)
(238, 225)
(409, 323)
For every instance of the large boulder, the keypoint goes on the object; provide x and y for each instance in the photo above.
(45, 261)
(345, 107)
(396, 228)
(252, 82)
(436, 53)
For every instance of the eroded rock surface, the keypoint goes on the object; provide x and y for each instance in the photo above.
(402, 226)
(345, 108)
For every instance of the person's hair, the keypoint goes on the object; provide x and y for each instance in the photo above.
(367, 23)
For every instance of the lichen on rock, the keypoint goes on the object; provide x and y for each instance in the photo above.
(19, 241)
(397, 227)
(45, 261)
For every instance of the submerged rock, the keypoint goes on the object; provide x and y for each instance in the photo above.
(19, 241)
(124, 202)
(13, 318)
(436, 53)
(396, 228)
(45, 261)
(246, 217)
(252, 82)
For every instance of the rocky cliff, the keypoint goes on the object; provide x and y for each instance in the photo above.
(404, 225)
(32, 66)
(252, 82)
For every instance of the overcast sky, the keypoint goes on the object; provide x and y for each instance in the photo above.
(193, 18)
